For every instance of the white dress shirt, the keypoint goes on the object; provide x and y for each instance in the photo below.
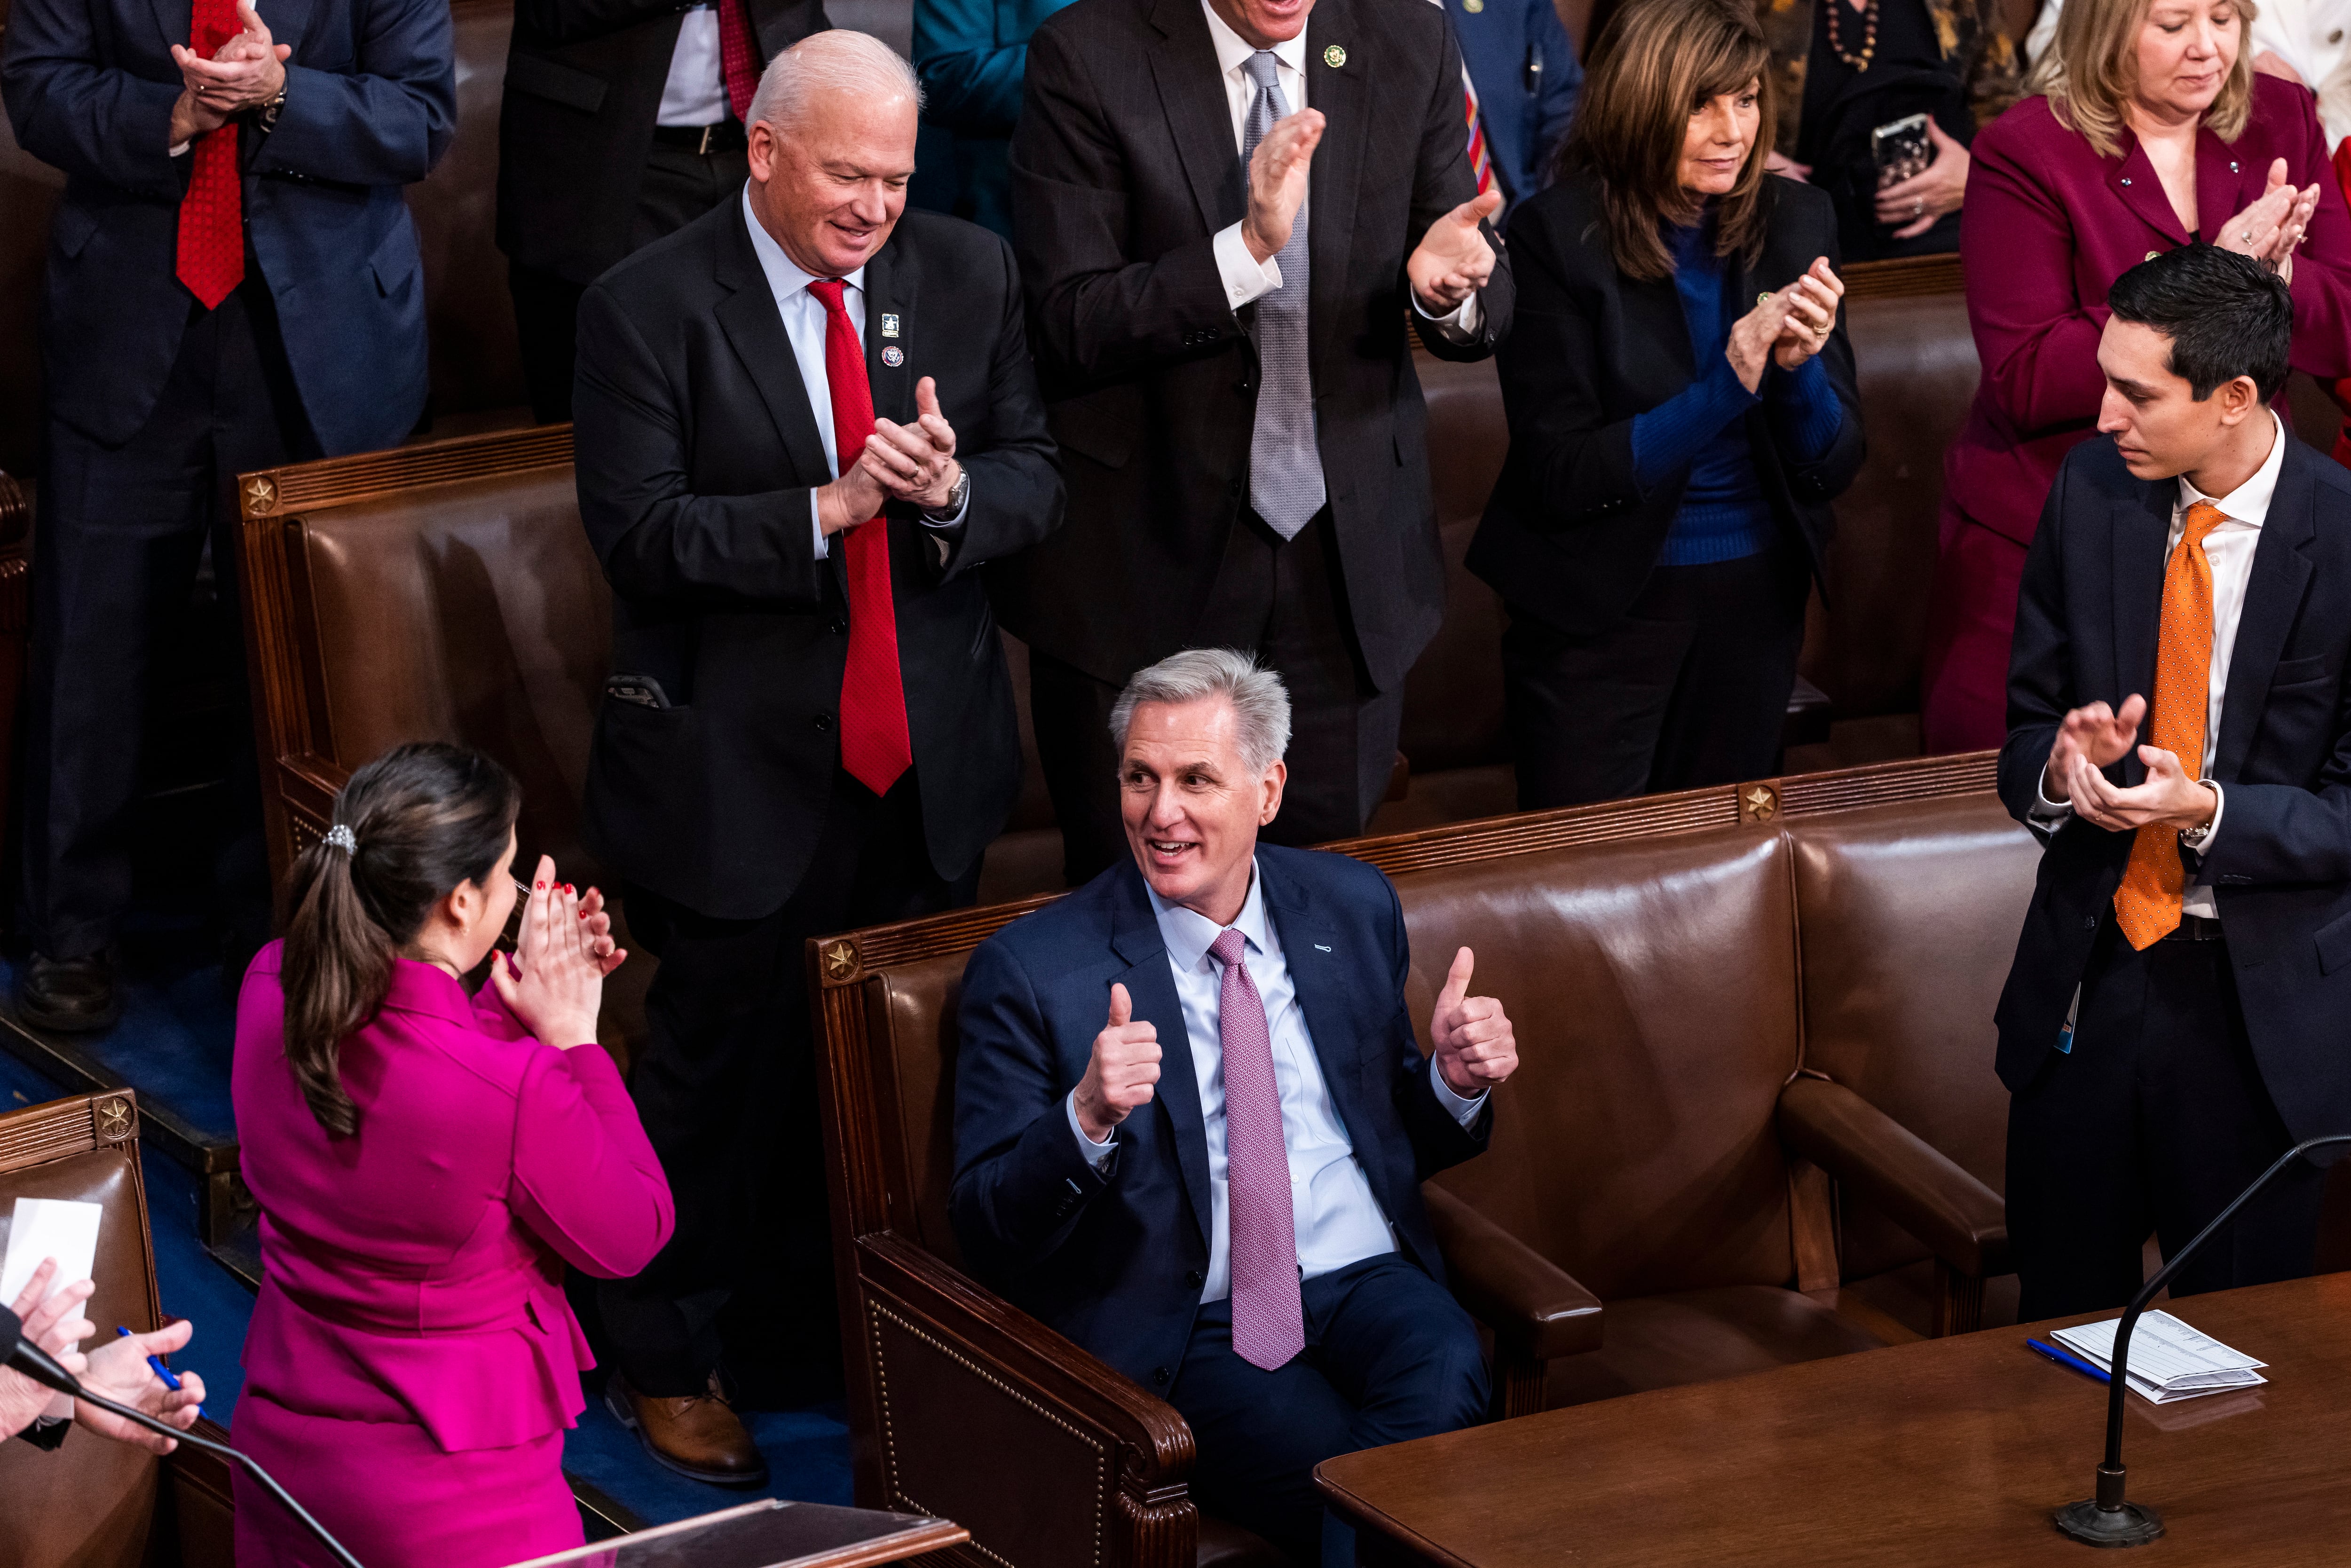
(1246, 277)
(804, 324)
(2228, 549)
(696, 93)
(1337, 1219)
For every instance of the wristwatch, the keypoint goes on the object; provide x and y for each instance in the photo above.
(2194, 837)
(955, 499)
(266, 116)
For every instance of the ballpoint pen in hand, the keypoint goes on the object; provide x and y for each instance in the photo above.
(170, 1380)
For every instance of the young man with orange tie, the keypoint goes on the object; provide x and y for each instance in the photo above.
(2178, 736)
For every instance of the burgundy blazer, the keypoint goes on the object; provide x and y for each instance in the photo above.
(2049, 225)
(415, 1271)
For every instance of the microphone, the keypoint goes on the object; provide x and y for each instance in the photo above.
(21, 1354)
(2108, 1519)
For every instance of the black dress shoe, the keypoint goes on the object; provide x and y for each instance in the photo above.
(68, 996)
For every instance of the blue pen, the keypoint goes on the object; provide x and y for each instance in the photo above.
(170, 1380)
(2063, 1358)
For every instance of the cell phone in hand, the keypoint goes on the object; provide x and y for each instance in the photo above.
(1899, 149)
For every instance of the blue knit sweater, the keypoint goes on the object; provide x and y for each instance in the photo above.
(1724, 515)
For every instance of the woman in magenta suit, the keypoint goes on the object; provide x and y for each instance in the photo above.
(426, 1163)
(2150, 129)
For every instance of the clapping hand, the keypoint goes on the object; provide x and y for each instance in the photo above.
(1453, 260)
(555, 982)
(916, 462)
(1475, 1048)
(52, 1320)
(1120, 1070)
(1276, 182)
(2095, 734)
(1812, 315)
(2272, 227)
(244, 73)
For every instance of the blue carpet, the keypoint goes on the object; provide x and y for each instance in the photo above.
(807, 1452)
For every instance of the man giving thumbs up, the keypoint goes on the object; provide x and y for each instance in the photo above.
(1192, 1118)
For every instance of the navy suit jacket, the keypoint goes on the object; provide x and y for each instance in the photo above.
(371, 103)
(1524, 67)
(1115, 1260)
(2281, 862)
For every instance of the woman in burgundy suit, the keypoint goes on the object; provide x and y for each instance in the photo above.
(2151, 131)
(426, 1163)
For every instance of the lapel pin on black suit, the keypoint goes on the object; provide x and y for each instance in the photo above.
(1334, 56)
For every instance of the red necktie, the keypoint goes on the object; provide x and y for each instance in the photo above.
(211, 259)
(738, 57)
(873, 743)
(1480, 163)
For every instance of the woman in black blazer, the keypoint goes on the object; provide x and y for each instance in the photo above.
(1682, 410)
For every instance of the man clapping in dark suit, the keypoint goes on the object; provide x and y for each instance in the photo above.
(804, 422)
(2177, 733)
(1192, 1120)
(1226, 209)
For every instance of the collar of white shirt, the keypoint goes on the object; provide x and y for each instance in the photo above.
(1189, 934)
(2248, 501)
(784, 278)
(1232, 49)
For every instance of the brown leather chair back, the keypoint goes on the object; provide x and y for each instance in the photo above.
(1914, 361)
(1652, 987)
(1909, 917)
(1453, 697)
(442, 591)
(90, 1504)
(910, 1013)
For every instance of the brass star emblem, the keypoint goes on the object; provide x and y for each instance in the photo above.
(1760, 802)
(260, 494)
(113, 1119)
(840, 962)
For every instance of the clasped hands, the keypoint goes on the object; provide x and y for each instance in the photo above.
(1787, 326)
(116, 1369)
(914, 463)
(1452, 261)
(2270, 230)
(554, 985)
(246, 72)
(1471, 1037)
(2097, 737)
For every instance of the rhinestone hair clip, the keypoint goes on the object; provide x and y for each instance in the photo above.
(343, 839)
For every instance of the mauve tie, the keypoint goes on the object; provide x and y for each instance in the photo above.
(1269, 1323)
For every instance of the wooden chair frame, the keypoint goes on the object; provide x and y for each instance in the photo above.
(897, 1298)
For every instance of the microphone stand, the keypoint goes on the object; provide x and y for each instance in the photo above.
(42, 1370)
(2108, 1519)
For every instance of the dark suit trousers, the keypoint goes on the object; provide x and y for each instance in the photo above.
(1286, 603)
(1389, 1356)
(726, 1089)
(2154, 1122)
(680, 185)
(115, 560)
(1688, 688)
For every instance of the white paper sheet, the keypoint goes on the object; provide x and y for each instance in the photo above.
(2168, 1359)
(59, 1227)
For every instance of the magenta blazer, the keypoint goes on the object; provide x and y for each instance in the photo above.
(2048, 225)
(415, 1272)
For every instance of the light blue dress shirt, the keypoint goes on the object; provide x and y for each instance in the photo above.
(804, 324)
(1338, 1220)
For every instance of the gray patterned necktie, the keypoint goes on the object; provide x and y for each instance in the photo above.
(1285, 465)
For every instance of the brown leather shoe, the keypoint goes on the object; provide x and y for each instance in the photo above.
(699, 1436)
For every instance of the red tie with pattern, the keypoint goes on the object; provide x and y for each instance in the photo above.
(874, 744)
(1481, 162)
(738, 57)
(211, 259)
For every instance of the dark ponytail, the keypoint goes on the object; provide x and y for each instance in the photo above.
(410, 827)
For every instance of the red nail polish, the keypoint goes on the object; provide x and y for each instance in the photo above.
(538, 884)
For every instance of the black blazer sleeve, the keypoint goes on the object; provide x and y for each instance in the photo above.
(2040, 660)
(1442, 181)
(46, 1435)
(1097, 312)
(658, 541)
(1016, 478)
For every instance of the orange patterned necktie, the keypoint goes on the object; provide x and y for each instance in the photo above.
(210, 254)
(2147, 905)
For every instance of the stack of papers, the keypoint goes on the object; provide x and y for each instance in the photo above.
(43, 1228)
(2168, 1360)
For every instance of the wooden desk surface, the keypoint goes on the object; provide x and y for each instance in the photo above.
(1949, 1451)
(769, 1534)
